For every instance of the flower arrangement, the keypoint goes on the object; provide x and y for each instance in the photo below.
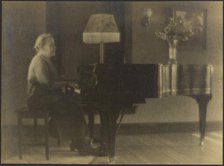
(176, 29)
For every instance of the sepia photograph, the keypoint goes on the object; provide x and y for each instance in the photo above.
(112, 82)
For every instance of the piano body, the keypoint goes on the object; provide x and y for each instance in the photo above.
(111, 89)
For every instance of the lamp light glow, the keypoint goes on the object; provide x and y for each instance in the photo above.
(100, 29)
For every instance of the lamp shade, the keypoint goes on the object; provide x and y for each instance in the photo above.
(101, 28)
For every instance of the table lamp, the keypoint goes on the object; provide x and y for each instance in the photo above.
(100, 29)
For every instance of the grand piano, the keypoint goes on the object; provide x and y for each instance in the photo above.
(112, 89)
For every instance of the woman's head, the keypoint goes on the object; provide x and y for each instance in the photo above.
(45, 44)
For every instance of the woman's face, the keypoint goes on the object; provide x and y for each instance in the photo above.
(49, 47)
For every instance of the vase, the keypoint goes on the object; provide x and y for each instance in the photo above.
(172, 59)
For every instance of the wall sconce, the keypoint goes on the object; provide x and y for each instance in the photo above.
(147, 17)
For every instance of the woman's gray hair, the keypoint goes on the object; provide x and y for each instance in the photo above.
(41, 40)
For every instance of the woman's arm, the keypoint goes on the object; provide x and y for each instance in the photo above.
(45, 78)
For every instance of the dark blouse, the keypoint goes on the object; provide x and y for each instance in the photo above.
(41, 76)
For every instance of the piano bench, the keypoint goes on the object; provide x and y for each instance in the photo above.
(25, 113)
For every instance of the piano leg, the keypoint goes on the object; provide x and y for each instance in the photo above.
(202, 103)
(112, 132)
(103, 129)
(108, 124)
(91, 123)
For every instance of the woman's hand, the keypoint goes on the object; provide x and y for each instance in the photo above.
(74, 86)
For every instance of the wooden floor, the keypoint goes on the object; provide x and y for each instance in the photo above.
(159, 148)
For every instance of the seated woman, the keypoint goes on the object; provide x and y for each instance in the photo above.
(45, 92)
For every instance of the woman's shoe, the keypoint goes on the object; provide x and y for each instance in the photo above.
(74, 146)
(85, 147)
(89, 149)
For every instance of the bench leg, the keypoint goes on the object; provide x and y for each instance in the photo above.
(35, 129)
(20, 137)
(46, 138)
(59, 141)
(59, 135)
